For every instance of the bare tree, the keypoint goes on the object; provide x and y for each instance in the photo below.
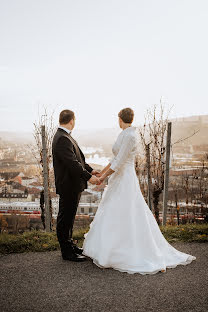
(154, 131)
(175, 188)
(47, 120)
(202, 179)
(141, 171)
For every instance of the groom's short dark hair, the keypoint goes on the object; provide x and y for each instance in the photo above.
(127, 115)
(66, 116)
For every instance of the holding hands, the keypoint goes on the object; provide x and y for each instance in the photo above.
(96, 173)
(94, 180)
(97, 177)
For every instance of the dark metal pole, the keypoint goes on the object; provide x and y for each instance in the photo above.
(149, 177)
(167, 169)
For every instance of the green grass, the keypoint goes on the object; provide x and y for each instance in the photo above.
(34, 241)
(186, 232)
(41, 241)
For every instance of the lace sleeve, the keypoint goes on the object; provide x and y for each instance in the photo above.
(125, 149)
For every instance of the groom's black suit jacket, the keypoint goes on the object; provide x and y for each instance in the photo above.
(70, 169)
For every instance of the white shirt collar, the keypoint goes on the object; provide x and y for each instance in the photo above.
(65, 129)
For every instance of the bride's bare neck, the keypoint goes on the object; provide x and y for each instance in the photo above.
(126, 125)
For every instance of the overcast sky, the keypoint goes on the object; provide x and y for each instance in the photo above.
(98, 56)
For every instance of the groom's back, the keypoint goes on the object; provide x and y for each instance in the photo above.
(63, 179)
(57, 164)
(67, 177)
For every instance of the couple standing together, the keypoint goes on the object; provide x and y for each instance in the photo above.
(124, 234)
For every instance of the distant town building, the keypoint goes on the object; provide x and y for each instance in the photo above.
(6, 207)
(16, 197)
(26, 181)
(9, 175)
(89, 196)
(87, 208)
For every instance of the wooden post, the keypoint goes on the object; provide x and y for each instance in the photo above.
(45, 181)
(178, 215)
(149, 177)
(167, 168)
(177, 207)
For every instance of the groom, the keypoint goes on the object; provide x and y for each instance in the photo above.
(71, 176)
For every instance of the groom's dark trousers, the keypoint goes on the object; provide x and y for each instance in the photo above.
(68, 205)
(71, 176)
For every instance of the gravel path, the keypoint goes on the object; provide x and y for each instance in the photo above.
(43, 282)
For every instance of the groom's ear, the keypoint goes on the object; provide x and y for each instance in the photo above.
(72, 122)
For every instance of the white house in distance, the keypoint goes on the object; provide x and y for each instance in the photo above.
(87, 209)
(26, 181)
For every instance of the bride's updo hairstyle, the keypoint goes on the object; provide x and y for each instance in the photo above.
(127, 115)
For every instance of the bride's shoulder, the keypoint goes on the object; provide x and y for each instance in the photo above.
(130, 135)
(130, 132)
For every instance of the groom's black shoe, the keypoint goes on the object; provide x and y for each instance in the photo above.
(76, 249)
(74, 257)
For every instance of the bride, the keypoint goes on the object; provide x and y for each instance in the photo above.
(124, 234)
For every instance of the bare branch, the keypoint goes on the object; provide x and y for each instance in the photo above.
(181, 140)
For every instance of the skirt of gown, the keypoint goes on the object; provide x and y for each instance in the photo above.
(124, 234)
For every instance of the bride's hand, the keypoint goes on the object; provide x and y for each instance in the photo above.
(97, 173)
(102, 178)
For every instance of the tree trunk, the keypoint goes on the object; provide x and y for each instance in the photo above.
(156, 195)
(42, 208)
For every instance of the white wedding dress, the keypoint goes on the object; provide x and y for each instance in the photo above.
(124, 234)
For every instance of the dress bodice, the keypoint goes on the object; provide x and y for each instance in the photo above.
(124, 148)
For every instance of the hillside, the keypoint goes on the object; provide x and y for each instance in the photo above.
(181, 128)
(185, 127)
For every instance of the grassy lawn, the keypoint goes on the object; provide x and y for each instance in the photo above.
(41, 241)
(186, 233)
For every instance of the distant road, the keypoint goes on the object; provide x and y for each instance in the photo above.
(43, 282)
